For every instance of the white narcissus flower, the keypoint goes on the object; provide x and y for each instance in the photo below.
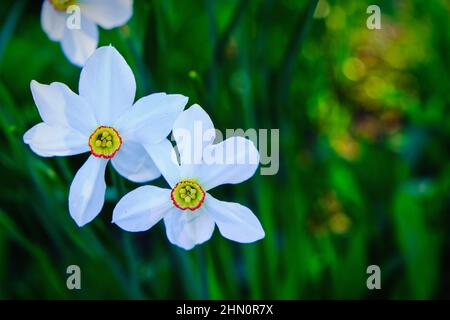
(80, 42)
(189, 212)
(101, 120)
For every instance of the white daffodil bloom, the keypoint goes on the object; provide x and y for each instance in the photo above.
(77, 30)
(189, 212)
(101, 120)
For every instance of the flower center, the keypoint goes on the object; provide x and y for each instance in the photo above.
(105, 142)
(187, 194)
(62, 5)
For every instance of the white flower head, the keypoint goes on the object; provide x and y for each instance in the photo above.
(189, 212)
(79, 41)
(101, 120)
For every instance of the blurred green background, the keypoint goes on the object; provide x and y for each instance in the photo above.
(364, 152)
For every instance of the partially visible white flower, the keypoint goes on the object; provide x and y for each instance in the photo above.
(79, 43)
(190, 213)
(102, 119)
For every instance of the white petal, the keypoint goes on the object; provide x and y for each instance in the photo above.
(193, 131)
(87, 191)
(142, 208)
(231, 161)
(187, 229)
(134, 163)
(59, 106)
(165, 159)
(52, 21)
(235, 222)
(48, 141)
(107, 13)
(151, 118)
(79, 44)
(108, 85)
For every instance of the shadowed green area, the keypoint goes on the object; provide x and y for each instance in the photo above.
(364, 174)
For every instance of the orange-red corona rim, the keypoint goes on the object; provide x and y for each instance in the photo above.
(187, 195)
(104, 142)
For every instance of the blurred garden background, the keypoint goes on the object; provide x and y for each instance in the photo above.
(364, 173)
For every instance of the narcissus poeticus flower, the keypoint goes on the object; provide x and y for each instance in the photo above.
(79, 34)
(189, 212)
(101, 120)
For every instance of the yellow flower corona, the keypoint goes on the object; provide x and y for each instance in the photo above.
(187, 194)
(105, 142)
(62, 5)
